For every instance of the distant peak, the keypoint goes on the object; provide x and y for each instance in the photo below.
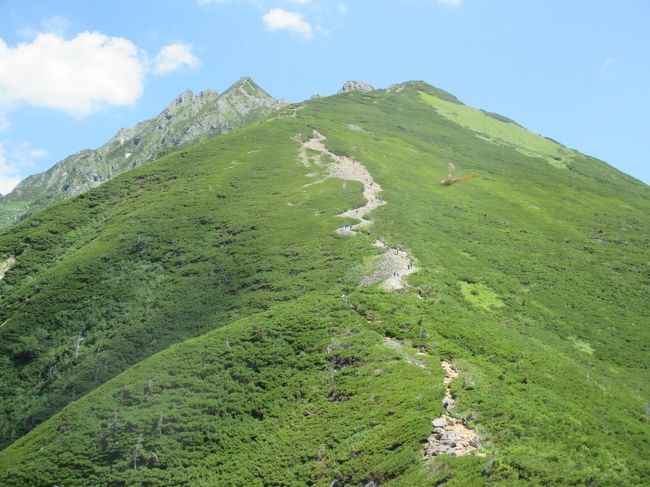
(353, 85)
(181, 100)
(248, 86)
(185, 96)
(208, 92)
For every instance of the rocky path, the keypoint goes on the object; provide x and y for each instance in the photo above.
(396, 263)
(394, 266)
(450, 435)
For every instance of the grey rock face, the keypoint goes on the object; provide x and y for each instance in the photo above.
(187, 119)
(356, 86)
(439, 423)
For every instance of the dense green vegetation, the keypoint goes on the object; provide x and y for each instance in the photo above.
(533, 278)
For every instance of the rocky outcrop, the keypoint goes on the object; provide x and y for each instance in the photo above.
(187, 119)
(6, 265)
(356, 86)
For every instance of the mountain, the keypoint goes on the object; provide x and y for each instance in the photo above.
(302, 302)
(189, 118)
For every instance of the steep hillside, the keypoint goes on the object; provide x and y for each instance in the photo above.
(189, 118)
(318, 340)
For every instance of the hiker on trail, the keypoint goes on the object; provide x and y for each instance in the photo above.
(446, 405)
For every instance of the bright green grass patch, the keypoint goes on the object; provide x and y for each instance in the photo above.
(581, 345)
(480, 295)
(501, 132)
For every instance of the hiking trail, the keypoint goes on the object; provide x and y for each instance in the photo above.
(450, 435)
(395, 263)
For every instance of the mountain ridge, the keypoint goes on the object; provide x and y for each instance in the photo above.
(188, 118)
(236, 327)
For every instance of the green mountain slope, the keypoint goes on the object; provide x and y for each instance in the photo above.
(189, 118)
(531, 279)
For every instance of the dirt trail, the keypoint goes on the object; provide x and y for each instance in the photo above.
(394, 266)
(350, 169)
(450, 435)
(6, 265)
(396, 263)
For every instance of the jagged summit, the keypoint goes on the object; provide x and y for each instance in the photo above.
(246, 83)
(352, 85)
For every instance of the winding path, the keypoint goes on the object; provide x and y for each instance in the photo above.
(396, 263)
(450, 435)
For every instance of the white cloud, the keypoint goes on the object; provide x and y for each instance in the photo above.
(342, 8)
(15, 157)
(78, 76)
(300, 2)
(450, 3)
(278, 18)
(173, 57)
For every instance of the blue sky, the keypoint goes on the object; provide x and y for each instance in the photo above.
(72, 73)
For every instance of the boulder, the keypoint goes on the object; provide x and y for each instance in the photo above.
(352, 85)
(439, 423)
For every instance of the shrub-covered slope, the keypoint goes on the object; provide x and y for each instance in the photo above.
(532, 280)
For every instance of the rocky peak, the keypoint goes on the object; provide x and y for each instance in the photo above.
(247, 87)
(185, 98)
(353, 85)
(208, 93)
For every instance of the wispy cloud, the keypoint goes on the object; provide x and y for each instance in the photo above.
(608, 66)
(56, 25)
(174, 57)
(278, 18)
(52, 25)
(16, 158)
